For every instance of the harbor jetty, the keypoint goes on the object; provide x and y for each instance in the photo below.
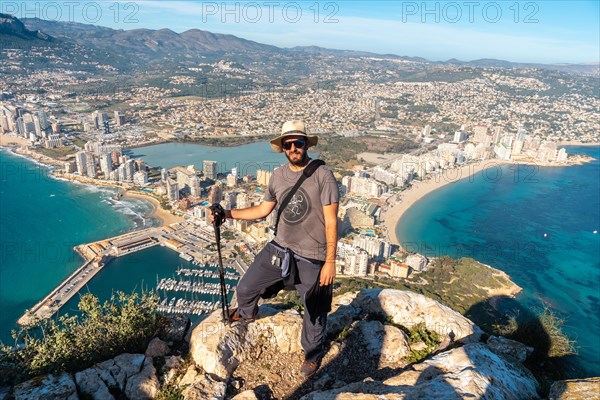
(192, 242)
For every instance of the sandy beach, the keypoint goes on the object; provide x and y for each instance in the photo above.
(164, 216)
(576, 143)
(12, 140)
(419, 189)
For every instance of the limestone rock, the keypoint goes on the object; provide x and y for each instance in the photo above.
(246, 395)
(575, 389)
(174, 328)
(470, 372)
(386, 340)
(188, 378)
(108, 371)
(170, 368)
(282, 330)
(342, 313)
(219, 348)
(143, 385)
(215, 346)
(157, 348)
(511, 348)
(199, 386)
(91, 384)
(47, 387)
(409, 309)
(125, 366)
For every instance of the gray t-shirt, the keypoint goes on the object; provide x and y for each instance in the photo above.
(302, 223)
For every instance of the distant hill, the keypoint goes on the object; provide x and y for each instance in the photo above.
(156, 46)
(147, 43)
(13, 27)
(590, 68)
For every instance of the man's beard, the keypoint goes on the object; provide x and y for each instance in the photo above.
(301, 162)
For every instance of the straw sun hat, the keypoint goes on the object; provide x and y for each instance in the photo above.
(292, 128)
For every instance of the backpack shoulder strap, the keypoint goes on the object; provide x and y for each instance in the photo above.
(306, 173)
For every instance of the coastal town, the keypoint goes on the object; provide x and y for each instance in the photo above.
(391, 136)
(376, 190)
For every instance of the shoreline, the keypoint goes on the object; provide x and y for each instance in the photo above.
(419, 189)
(164, 216)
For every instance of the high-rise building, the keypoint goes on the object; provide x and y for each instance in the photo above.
(231, 180)
(81, 159)
(119, 118)
(91, 165)
(140, 178)
(70, 167)
(194, 184)
(460, 136)
(164, 175)
(480, 135)
(121, 173)
(216, 193)
(53, 141)
(129, 170)
(263, 177)
(241, 200)
(210, 169)
(106, 165)
(172, 190)
(427, 131)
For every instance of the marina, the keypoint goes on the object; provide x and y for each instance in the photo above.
(192, 242)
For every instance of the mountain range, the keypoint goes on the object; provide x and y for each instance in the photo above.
(151, 45)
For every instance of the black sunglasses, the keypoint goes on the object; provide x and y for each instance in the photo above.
(299, 143)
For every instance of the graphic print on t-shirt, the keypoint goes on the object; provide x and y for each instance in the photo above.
(298, 207)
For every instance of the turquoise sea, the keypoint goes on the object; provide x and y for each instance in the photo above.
(499, 218)
(42, 219)
(537, 225)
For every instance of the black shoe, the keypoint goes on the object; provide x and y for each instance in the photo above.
(235, 316)
(309, 368)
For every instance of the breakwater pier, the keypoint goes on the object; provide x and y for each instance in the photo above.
(193, 243)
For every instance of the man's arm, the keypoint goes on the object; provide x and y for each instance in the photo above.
(331, 235)
(250, 213)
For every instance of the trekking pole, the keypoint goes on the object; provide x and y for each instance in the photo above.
(219, 216)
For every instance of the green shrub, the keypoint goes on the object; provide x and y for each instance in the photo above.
(125, 323)
(169, 392)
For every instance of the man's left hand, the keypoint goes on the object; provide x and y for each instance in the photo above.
(327, 274)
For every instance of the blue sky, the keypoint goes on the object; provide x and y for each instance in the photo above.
(522, 31)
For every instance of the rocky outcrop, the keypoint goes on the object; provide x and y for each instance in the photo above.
(47, 387)
(409, 309)
(385, 340)
(369, 332)
(143, 385)
(131, 374)
(470, 372)
(157, 348)
(198, 385)
(575, 389)
(509, 348)
(219, 348)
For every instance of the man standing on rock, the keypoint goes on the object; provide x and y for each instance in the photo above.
(302, 255)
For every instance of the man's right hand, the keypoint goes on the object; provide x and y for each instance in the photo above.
(212, 216)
